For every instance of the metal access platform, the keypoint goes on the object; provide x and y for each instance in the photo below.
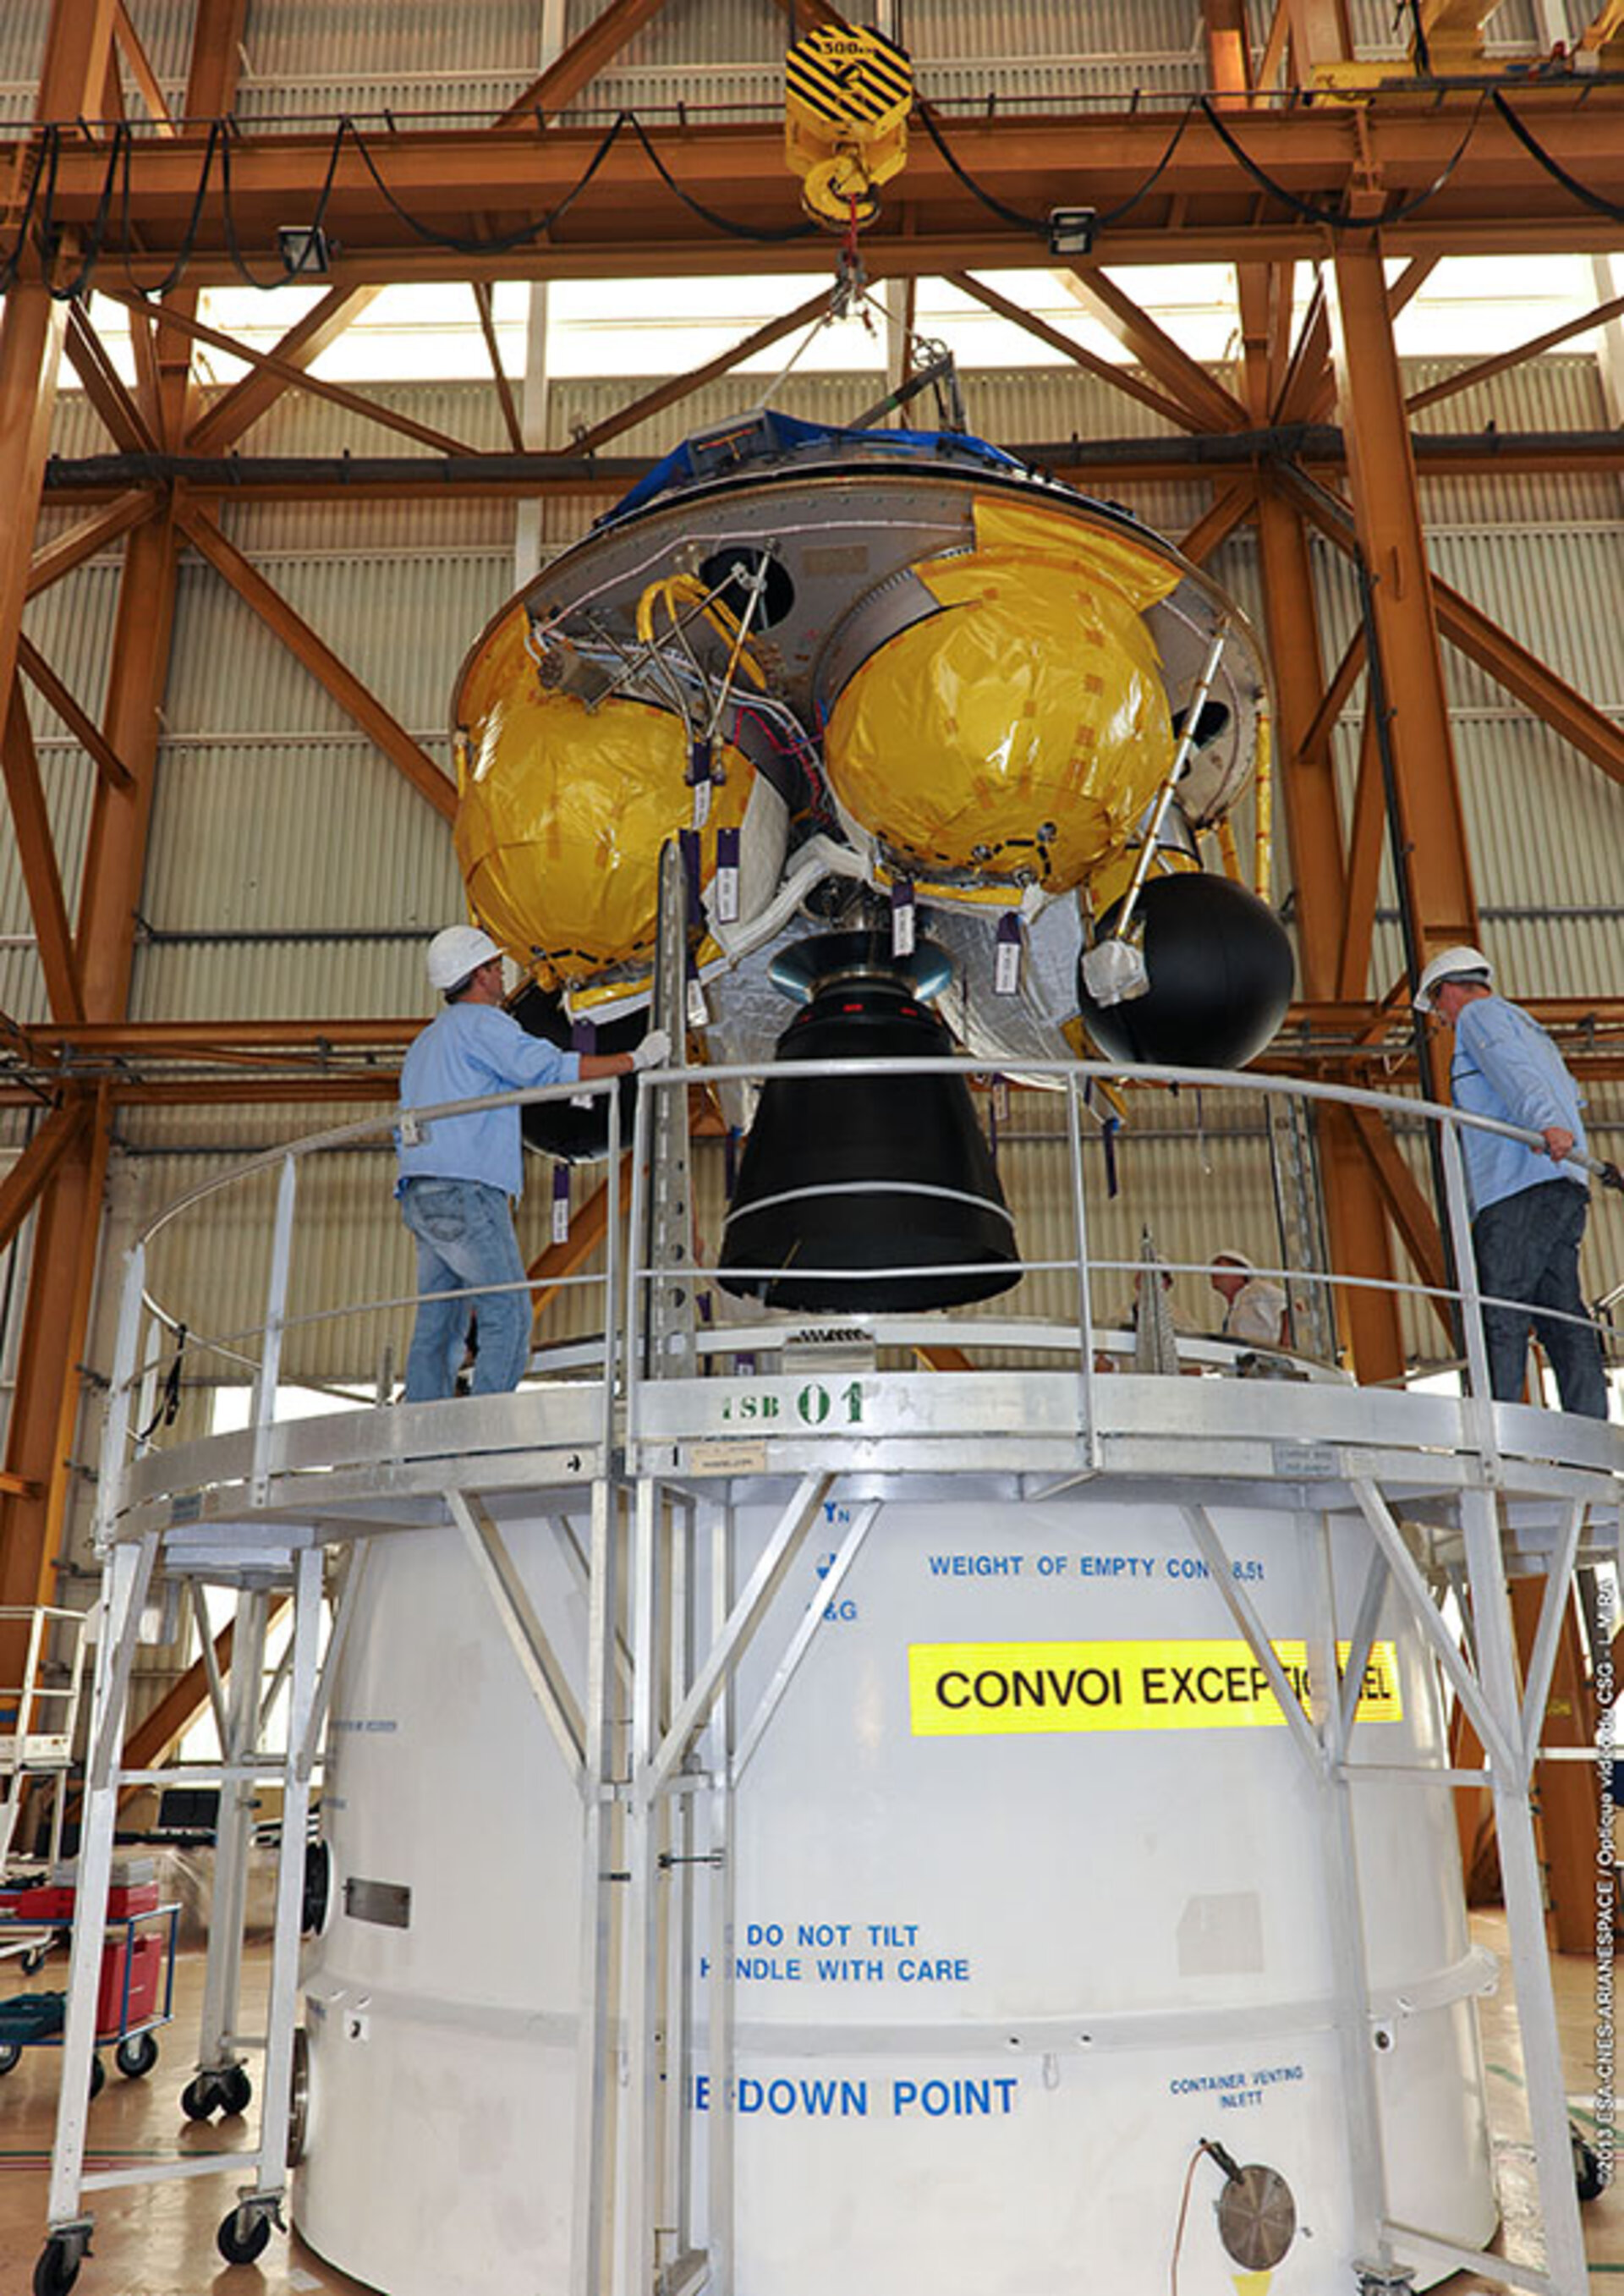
(639, 1443)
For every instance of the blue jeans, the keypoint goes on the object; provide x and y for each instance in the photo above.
(465, 1237)
(1527, 1248)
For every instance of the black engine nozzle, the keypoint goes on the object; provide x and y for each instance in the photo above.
(861, 1172)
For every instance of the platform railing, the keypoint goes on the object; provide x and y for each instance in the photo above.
(147, 1327)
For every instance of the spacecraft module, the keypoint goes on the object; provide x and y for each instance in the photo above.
(881, 684)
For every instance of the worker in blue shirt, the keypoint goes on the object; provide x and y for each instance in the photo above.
(1527, 1218)
(458, 1174)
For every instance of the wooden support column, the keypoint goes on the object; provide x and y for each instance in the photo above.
(115, 855)
(1433, 864)
(1357, 1206)
(44, 1407)
(39, 1432)
(32, 823)
(31, 332)
(1356, 1213)
(1564, 1792)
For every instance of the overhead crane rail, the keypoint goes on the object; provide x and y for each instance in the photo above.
(1442, 167)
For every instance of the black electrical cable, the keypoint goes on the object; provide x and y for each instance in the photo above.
(708, 215)
(285, 276)
(1108, 216)
(12, 264)
(167, 1409)
(1553, 167)
(219, 143)
(177, 272)
(49, 162)
(1105, 218)
(1039, 224)
(1333, 219)
(97, 232)
(502, 243)
(1423, 54)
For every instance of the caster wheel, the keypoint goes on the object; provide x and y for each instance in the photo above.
(98, 2077)
(236, 2089)
(200, 2095)
(9, 2053)
(35, 1960)
(1587, 2177)
(57, 2269)
(136, 2057)
(243, 2235)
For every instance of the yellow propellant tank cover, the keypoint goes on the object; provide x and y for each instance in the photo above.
(1024, 727)
(562, 817)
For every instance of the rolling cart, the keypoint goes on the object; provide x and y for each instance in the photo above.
(137, 1992)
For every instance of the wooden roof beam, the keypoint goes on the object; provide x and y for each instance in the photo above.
(1185, 378)
(579, 64)
(1502, 363)
(1120, 378)
(1499, 198)
(369, 409)
(78, 543)
(588, 1228)
(1532, 681)
(31, 1174)
(36, 853)
(140, 69)
(683, 386)
(357, 702)
(1232, 506)
(1316, 742)
(79, 723)
(104, 386)
(284, 369)
(1309, 392)
(1508, 661)
(1366, 844)
(485, 305)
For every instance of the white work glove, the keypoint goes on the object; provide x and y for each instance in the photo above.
(654, 1051)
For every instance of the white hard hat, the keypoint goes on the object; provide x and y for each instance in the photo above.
(1460, 963)
(457, 953)
(1236, 1258)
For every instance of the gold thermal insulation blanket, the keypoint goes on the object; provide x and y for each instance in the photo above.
(561, 822)
(1023, 727)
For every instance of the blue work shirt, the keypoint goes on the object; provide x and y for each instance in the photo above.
(1505, 1066)
(466, 1052)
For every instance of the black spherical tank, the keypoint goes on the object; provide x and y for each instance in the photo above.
(576, 1135)
(1220, 970)
(866, 1172)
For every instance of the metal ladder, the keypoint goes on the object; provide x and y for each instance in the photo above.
(256, 1561)
(33, 1747)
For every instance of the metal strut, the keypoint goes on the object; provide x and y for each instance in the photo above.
(668, 1319)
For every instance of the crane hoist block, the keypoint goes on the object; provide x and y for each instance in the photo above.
(847, 94)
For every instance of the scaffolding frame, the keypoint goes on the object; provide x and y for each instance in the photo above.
(1431, 1488)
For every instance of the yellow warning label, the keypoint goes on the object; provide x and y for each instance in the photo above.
(998, 1689)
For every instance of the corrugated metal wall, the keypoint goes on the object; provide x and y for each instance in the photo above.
(305, 59)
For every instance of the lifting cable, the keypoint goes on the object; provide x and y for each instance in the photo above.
(168, 1408)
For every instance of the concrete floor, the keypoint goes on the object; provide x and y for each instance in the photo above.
(158, 2240)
